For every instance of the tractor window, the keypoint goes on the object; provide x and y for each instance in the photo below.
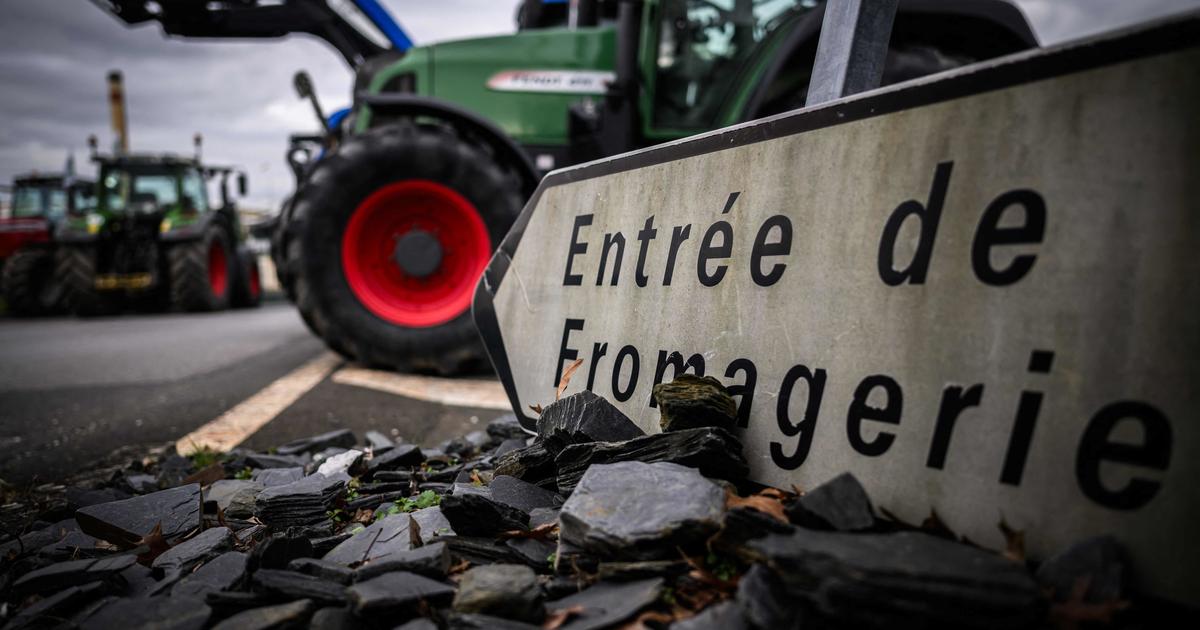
(57, 203)
(702, 47)
(123, 187)
(27, 202)
(194, 192)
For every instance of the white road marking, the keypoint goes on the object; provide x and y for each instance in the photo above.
(235, 425)
(478, 393)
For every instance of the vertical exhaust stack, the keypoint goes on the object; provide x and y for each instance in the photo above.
(116, 104)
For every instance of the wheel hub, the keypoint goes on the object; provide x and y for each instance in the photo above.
(418, 253)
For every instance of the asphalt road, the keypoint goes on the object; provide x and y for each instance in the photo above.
(73, 390)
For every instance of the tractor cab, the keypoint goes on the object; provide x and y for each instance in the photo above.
(38, 203)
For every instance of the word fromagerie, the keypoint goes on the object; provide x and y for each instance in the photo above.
(976, 294)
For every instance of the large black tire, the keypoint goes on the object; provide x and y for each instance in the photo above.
(362, 165)
(247, 290)
(28, 281)
(75, 272)
(201, 272)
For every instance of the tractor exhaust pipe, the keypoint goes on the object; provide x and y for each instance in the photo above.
(116, 105)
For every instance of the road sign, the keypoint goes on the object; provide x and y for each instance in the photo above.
(977, 292)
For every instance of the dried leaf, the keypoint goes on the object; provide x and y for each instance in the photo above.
(221, 518)
(1014, 542)
(1069, 614)
(933, 525)
(566, 377)
(765, 504)
(460, 567)
(545, 531)
(536, 409)
(639, 623)
(208, 476)
(557, 618)
(775, 493)
(365, 516)
(155, 545)
(475, 478)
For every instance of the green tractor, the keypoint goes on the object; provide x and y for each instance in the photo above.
(155, 239)
(411, 190)
(39, 202)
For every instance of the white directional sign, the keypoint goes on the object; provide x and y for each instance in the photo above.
(977, 292)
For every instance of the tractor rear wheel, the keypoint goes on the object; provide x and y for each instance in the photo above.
(29, 286)
(387, 241)
(75, 272)
(200, 272)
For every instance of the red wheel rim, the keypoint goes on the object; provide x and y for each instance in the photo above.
(218, 268)
(369, 253)
(255, 285)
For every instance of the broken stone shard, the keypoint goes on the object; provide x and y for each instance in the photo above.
(397, 589)
(380, 540)
(125, 523)
(289, 615)
(378, 442)
(504, 590)
(342, 438)
(583, 417)
(302, 502)
(323, 569)
(607, 604)
(431, 561)
(260, 460)
(293, 585)
(343, 463)
(640, 511)
(187, 555)
(270, 477)
(871, 580)
(533, 463)
(691, 402)
(402, 456)
(432, 524)
(715, 452)
(222, 573)
(234, 497)
(521, 494)
(506, 427)
(1099, 560)
(166, 613)
(72, 573)
(479, 515)
(840, 503)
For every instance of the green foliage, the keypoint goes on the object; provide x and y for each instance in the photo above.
(244, 473)
(720, 566)
(429, 498)
(668, 596)
(338, 515)
(552, 558)
(204, 456)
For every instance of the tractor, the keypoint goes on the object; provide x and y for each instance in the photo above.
(153, 238)
(409, 193)
(39, 203)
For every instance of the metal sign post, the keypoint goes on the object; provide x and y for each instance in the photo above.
(852, 49)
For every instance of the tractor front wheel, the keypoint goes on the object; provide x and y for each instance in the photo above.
(201, 272)
(388, 238)
(28, 281)
(75, 273)
(248, 290)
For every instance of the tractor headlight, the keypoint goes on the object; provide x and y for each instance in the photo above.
(165, 226)
(94, 223)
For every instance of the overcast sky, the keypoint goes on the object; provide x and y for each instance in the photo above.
(54, 55)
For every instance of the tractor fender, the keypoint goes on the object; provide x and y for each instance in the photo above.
(474, 126)
(1002, 13)
(193, 231)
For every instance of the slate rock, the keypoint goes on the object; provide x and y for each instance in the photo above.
(479, 515)
(291, 615)
(172, 470)
(508, 446)
(398, 589)
(141, 483)
(342, 463)
(764, 602)
(187, 555)
(691, 402)
(33, 541)
(871, 580)
(302, 502)
(840, 503)
(541, 516)
(715, 452)
(140, 582)
(322, 569)
(341, 438)
(334, 618)
(262, 460)
(72, 573)
(521, 494)
(402, 456)
(533, 552)
(421, 623)
(378, 442)
(82, 497)
(225, 572)
(583, 417)
(154, 613)
(386, 537)
(294, 585)
(48, 611)
(234, 497)
(480, 550)
(506, 427)
(640, 511)
(1101, 560)
(503, 590)
(432, 524)
(607, 604)
(281, 549)
(68, 542)
(431, 561)
(126, 522)
(725, 615)
(270, 477)
(473, 621)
